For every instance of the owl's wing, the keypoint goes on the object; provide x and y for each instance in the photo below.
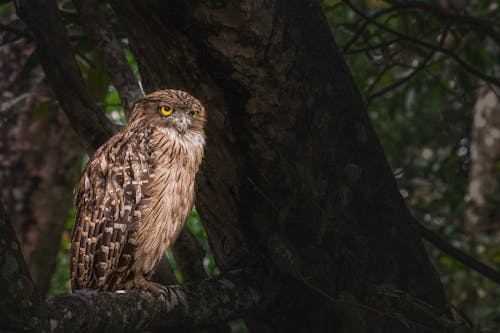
(107, 212)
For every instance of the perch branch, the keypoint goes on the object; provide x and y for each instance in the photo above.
(190, 305)
(111, 52)
(58, 61)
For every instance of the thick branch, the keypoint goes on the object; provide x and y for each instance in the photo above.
(164, 273)
(111, 52)
(63, 74)
(195, 304)
(189, 256)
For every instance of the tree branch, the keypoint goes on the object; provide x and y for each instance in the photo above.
(465, 65)
(407, 77)
(189, 256)
(457, 254)
(194, 304)
(111, 52)
(58, 61)
(482, 26)
(347, 46)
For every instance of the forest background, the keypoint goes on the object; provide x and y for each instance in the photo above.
(429, 75)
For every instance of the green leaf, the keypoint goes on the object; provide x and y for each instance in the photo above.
(42, 109)
(32, 61)
(348, 313)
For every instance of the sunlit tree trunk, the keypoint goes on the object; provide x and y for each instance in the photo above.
(485, 154)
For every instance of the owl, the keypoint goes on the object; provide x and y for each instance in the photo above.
(136, 193)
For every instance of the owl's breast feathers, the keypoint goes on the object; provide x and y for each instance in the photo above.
(131, 203)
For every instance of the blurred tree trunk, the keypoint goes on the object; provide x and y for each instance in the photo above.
(40, 159)
(485, 154)
(294, 180)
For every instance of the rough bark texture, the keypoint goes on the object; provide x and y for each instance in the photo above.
(485, 153)
(40, 158)
(185, 306)
(19, 304)
(294, 178)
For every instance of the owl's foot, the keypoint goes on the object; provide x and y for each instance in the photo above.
(139, 282)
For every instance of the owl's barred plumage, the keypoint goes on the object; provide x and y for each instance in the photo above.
(136, 193)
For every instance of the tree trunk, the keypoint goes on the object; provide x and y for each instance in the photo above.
(40, 160)
(485, 153)
(294, 180)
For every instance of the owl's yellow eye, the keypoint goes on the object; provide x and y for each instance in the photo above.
(194, 114)
(166, 110)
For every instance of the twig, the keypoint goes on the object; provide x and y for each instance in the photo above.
(111, 52)
(365, 24)
(469, 68)
(457, 254)
(372, 47)
(20, 33)
(481, 25)
(417, 69)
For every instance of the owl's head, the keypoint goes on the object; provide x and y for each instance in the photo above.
(173, 109)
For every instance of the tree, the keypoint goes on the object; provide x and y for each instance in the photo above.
(295, 189)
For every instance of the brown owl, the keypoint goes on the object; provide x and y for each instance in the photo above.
(136, 193)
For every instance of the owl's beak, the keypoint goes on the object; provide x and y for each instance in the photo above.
(183, 123)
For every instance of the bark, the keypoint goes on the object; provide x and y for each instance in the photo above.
(19, 304)
(40, 159)
(191, 305)
(485, 152)
(294, 178)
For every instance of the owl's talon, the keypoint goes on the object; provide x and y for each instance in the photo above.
(141, 283)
